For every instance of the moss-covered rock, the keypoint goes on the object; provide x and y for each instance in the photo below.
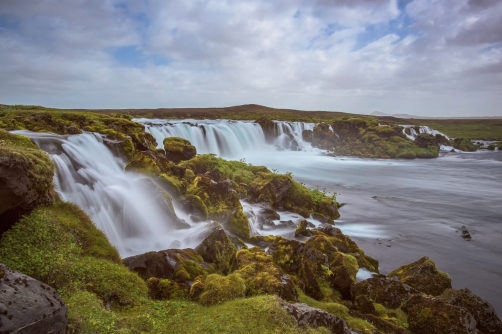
(262, 276)
(423, 276)
(178, 149)
(302, 229)
(302, 260)
(268, 127)
(194, 206)
(486, 318)
(217, 248)
(431, 315)
(179, 265)
(389, 292)
(464, 144)
(219, 289)
(343, 269)
(26, 174)
(162, 288)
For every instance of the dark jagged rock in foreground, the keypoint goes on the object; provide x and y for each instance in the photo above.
(29, 306)
(306, 315)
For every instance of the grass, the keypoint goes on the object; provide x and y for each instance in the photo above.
(488, 129)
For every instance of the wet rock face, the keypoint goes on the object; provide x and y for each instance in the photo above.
(425, 140)
(389, 292)
(431, 315)
(486, 318)
(423, 276)
(306, 315)
(268, 127)
(29, 306)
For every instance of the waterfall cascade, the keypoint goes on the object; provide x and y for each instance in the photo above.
(229, 139)
(127, 207)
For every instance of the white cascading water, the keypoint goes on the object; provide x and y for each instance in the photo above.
(425, 129)
(228, 139)
(124, 205)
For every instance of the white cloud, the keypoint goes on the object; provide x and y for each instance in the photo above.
(315, 55)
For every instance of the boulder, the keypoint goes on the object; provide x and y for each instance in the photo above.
(313, 317)
(423, 276)
(465, 233)
(389, 292)
(425, 140)
(179, 265)
(178, 149)
(430, 315)
(307, 135)
(302, 260)
(262, 276)
(383, 326)
(217, 248)
(268, 127)
(29, 306)
(26, 174)
(487, 321)
(343, 269)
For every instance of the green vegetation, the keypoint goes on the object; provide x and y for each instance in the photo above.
(487, 129)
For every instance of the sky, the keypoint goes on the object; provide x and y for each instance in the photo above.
(421, 57)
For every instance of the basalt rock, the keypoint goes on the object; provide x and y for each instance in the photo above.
(29, 306)
(343, 269)
(178, 149)
(268, 127)
(389, 292)
(313, 317)
(425, 140)
(423, 276)
(431, 315)
(487, 321)
(302, 230)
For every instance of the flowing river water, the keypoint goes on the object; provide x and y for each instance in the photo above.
(396, 210)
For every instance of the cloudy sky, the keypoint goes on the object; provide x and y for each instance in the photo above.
(423, 57)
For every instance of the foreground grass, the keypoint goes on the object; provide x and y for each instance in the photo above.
(488, 129)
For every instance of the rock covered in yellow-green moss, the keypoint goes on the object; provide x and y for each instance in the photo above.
(179, 265)
(343, 269)
(423, 276)
(262, 276)
(430, 315)
(217, 248)
(26, 174)
(178, 149)
(162, 288)
(389, 292)
(486, 318)
(219, 289)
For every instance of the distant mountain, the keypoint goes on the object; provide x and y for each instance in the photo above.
(382, 114)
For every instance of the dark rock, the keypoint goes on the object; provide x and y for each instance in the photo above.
(364, 305)
(308, 135)
(465, 233)
(342, 278)
(487, 321)
(194, 206)
(302, 229)
(268, 127)
(217, 248)
(313, 317)
(180, 265)
(423, 276)
(425, 140)
(286, 224)
(329, 230)
(178, 171)
(322, 218)
(389, 292)
(72, 130)
(431, 315)
(238, 243)
(29, 306)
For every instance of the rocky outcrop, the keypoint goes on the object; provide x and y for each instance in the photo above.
(313, 317)
(431, 315)
(29, 306)
(268, 127)
(178, 149)
(425, 140)
(423, 276)
(487, 321)
(389, 292)
(26, 175)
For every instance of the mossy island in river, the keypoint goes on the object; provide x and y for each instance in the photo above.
(233, 281)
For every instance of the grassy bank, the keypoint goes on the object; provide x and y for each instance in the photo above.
(488, 129)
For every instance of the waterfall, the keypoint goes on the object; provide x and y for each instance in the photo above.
(229, 139)
(127, 207)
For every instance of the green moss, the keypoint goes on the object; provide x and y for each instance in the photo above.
(238, 224)
(396, 316)
(166, 289)
(348, 261)
(20, 150)
(87, 314)
(172, 183)
(219, 289)
(143, 163)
